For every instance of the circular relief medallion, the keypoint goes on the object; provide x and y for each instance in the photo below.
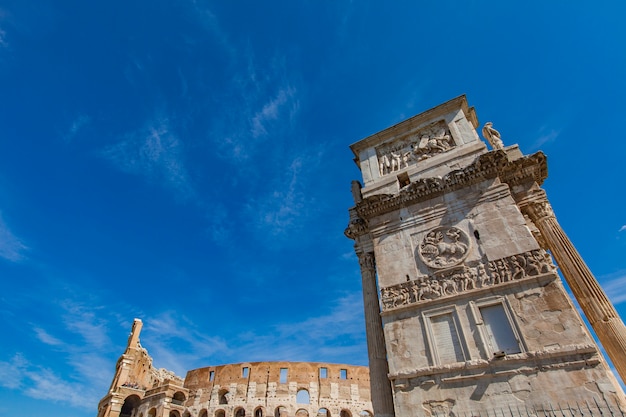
(443, 247)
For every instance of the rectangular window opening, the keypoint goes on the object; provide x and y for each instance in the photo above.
(446, 339)
(500, 334)
(245, 371)
(283, 375)
(323, 373)
(343, 374)
(211, 376)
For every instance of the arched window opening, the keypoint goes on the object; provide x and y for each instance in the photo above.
(130, 406)
(220, 413)
(323, 412)
(178, 398)
(240, 412)
(174, 413)
(366, 413)
(203, 413)
(223, 396)
(280, 412)
(302, 397)
(345, 413)
(152, 412)
(302, 413)
(258, 412)
(186, 414)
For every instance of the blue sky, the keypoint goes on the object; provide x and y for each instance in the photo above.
(187, 162)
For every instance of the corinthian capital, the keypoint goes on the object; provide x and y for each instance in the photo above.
(538, 210)
(536, 206)
(367, 260)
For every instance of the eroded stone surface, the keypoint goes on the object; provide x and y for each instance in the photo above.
(258, 389)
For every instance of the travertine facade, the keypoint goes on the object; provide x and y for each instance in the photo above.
(465, 310)
(259, 389)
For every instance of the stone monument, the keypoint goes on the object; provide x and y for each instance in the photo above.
(465, 310)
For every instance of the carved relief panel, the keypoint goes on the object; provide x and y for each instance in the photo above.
(429, 141)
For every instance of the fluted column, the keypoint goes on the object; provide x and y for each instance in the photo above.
(593, 301)
(382, 398)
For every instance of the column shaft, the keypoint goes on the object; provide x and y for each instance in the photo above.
(592, 299)
(382, 397)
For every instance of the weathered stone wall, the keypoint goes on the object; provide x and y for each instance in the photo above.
(259, 389)
(474, 314)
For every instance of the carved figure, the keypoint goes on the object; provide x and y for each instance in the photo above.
(482, 275)
(518, 263)
(532, 265)
(439, 250)
(503, 268)
(495, 274)
(492, 136)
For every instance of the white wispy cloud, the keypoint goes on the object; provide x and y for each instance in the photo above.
(80, 122)
(287, 204)
(11, 247)
(155, 153)
(621, 229)
(337, 334)
(177, 344)
(42, 383)
(545, 136)
(615, 286)
(272, 110)
(46, 338)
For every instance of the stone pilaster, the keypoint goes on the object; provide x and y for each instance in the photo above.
(593, 301)
(382, 397)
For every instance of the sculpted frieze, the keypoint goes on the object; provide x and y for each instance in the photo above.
(443, 247)
(489, 165)
(409, 150)
(463, 278)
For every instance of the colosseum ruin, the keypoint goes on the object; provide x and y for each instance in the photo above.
(258, 389)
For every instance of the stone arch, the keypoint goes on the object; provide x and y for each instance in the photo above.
(223, 396)
(303, 397)
(239, 412)
(323, 412)
(174, 413)
(130, 405)
(259, 412)
(345, 413)
(203, 413)
(187, 414)
(280, 412)
(179, 398)
(366, 413)
(220, 413)
(152, 412)
(301, 412)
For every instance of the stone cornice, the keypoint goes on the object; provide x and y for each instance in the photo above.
(583, 355)
(487, 166)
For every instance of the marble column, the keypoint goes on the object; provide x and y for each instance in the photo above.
(382, 397)
(593, 301)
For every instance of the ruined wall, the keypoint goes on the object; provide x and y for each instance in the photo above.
(258, 389)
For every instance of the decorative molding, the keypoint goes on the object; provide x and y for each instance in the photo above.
(583, 355)
(459, 280)
(487, 166)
